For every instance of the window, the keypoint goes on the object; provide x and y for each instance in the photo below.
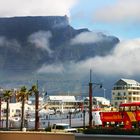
(133, 108)
(138, 107)
(17, 111)
(116, 103)
(119, 94)
(113, 93)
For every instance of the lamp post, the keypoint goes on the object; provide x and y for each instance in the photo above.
(70, 117)
(36, 108)
(104, 91)
(90, 98)
(84, 125)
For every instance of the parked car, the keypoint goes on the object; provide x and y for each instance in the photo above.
(62, 127)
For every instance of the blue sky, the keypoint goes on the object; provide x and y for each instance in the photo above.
(116, 17)
(84, 12)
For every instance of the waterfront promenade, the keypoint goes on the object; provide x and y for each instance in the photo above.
(8, 135)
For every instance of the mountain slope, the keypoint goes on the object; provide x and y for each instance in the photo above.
(27, 43)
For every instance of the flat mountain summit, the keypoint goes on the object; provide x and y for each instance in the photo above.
(27, 43)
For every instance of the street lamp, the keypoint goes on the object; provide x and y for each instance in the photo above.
(70, 113)
(84, 125)
(104, 91)
(90, 98)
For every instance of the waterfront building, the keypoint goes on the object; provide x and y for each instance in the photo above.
(100, 102)
(15, 109)
(60, 102)
(125, 91)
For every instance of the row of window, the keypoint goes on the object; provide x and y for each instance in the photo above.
(66, 103)
(121, 88)
(127, 98)
(130, 108)
(124, 93)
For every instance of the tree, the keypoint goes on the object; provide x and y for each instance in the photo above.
(22, 96)
(34, 90)
(7, 94)
(1, 95)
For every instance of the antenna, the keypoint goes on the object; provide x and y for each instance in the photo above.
(90, 75)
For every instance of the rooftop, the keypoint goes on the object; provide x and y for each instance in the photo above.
(127, 82)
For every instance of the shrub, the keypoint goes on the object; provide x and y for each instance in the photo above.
(48, 129)
(112, 131)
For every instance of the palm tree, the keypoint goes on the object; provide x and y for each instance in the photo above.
(1, 95)
(34, 90)
(7, 94)
(22, 96)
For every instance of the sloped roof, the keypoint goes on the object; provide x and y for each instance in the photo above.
(127, 81)
(130, 81)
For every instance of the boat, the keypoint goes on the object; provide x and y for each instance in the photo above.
(46, 119)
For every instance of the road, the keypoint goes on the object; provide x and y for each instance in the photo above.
(105, 137)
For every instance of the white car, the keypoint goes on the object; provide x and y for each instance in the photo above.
(62, 127)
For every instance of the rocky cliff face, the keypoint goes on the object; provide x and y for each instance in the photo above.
(27, 43)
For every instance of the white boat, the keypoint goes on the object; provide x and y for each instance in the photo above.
(46, 119)
(75, 119)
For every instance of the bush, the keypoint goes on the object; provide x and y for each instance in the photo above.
(112, 131)
(48, 129)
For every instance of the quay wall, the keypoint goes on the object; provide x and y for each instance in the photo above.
(20, 135)
(12, 135)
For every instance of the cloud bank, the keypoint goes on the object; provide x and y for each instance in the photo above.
(87, 37)
(124, 60)
(51, 69)
(35, 7)
(120, 11)
(11, 44)
(41, 40)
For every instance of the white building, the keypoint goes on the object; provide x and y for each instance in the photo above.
(102, 101)
(31, 100)
(125, 91)
(14, 109)
(98, 101)
(62, 102)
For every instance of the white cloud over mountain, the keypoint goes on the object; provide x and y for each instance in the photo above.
(87, 37)
(124, 60)
(41, 39)
(11, 44)
(35, 7)
(51, 69)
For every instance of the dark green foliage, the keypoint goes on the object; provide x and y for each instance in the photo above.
(48, 129)
(112, 131)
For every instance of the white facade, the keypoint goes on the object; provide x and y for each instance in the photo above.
(61, 98)
(103, 101)
(61, 102)
(31, 101)
(125, 91)
(99, 101)
(14, 109)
